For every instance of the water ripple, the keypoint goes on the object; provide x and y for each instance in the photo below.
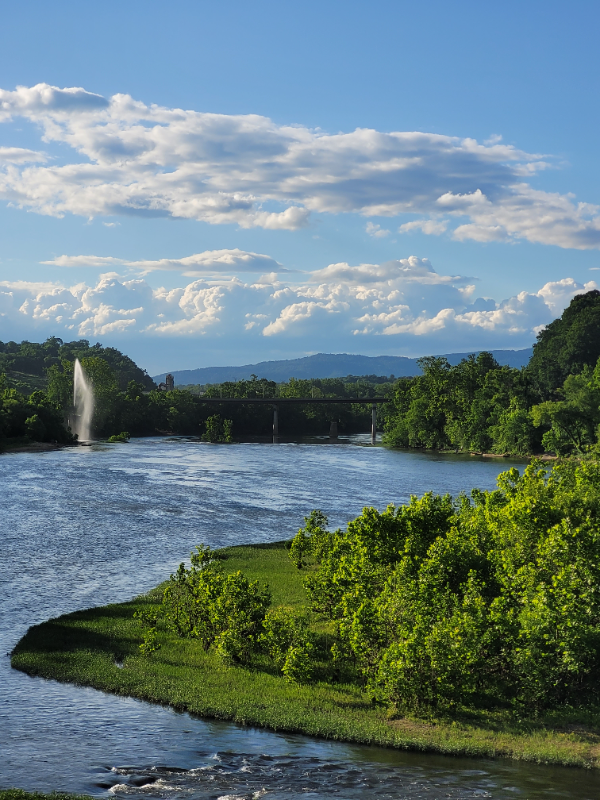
(86, 526)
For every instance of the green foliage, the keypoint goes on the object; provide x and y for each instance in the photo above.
(513, 431)
(289, 641)
(476, 405)
(35, 417)
(127, 399)
(299, 419)
(566, 345)
(119, 437)
(99, 647)
(218, 430)
(30, 360)
(223, 612)
(484, 601)
(311, 539)
(35, 428)
(573, 420)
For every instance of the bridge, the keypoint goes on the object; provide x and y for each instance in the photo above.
(276, 402)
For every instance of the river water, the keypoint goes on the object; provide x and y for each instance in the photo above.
(84, 526)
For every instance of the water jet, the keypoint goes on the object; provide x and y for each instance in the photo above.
(83, 402)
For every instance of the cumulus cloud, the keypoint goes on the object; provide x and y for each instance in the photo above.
(131, 158)
(210, 262)
(400, 307)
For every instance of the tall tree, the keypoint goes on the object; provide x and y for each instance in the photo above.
(567, 345)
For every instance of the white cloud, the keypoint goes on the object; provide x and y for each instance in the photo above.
(131, 158)
(401, 307)
(83, 261)
(405, 270)
(210, 262)
(376, 230)
(431, 227)
(19, 155)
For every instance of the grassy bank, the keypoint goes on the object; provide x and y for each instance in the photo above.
(100, 647)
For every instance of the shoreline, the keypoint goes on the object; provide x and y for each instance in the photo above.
(99, 647)
(20, 446)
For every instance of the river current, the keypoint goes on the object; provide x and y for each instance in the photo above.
(85, 526)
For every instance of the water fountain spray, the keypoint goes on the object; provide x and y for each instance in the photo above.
(83, 400)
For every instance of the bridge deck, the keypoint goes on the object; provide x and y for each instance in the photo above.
(289, 400)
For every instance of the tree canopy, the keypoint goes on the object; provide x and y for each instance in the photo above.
(566, 345)
(24, 360)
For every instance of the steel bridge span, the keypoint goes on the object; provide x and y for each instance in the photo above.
(276, 402)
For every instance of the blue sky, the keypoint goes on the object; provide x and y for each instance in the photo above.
(242, 181)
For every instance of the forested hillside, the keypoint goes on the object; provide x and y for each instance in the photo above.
(36, 384)
(26, 364)
(553, 404)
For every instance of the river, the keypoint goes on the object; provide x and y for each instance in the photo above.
(88, 525)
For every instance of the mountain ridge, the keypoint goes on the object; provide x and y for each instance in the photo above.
(330, 365)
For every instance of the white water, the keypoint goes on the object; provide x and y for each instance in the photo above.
(83, 400)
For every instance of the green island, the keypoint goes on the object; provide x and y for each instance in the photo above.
(467, 626)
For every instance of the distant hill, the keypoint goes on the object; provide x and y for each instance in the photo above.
(329, 365)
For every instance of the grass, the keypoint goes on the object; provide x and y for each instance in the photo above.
(99, 647)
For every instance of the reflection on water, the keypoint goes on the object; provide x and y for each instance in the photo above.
(89, 525)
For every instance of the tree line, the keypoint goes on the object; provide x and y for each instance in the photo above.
(127, 400)
(551, 405)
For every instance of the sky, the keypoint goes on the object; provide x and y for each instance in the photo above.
(204, 184)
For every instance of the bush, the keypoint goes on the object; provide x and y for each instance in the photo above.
(119, 437)
(491, 599)
(218, 430)
(289, 641)
(224, 612)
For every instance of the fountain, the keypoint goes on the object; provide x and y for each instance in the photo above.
(83, 401)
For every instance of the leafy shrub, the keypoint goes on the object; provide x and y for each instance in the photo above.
(119, 437)
(225, 612)
(218, 430)
(290, 643)
(486, 600)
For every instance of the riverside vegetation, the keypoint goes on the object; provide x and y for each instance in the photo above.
(466, 626)
(552, 405)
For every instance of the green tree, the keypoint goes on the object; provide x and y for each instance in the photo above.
(572, 421)
(513, 431)
(223, 612)
(567, 345)
(218, 430)
(487, 600)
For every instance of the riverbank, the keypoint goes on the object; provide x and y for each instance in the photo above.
(100, 648)
(22, 444)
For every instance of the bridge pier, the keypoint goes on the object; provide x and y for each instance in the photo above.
(275, 421)
(373, 422)
(333, 429)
